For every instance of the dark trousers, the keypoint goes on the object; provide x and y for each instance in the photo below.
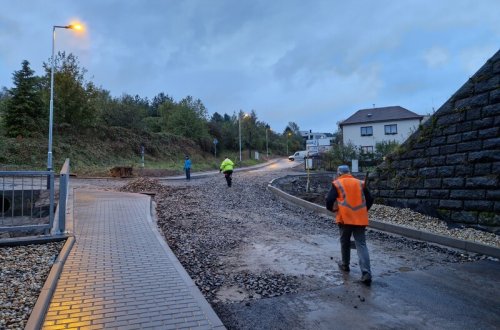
(229, 179)
(188, 174)
(345, 245)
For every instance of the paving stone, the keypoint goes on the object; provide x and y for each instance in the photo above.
(120, 274)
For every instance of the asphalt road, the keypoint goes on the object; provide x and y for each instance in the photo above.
(412, 289)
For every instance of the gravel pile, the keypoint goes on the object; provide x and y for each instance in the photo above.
(23, 271)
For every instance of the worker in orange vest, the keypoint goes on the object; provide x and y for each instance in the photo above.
(353, 200)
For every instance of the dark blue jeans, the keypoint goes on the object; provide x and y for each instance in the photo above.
(188, 174)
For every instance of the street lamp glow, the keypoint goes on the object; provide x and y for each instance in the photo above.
(74, 26)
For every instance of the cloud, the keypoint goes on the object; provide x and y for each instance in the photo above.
(436, 57)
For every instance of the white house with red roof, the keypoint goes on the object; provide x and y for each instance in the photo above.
(367, 127)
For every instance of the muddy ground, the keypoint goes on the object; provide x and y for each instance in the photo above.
(263, 263)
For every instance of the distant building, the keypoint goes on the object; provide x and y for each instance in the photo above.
(317, 142)
(367, 127)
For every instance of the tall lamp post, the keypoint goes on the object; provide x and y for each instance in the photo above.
(287, 137)
(51, 109)
(267, 144)
(239, 129)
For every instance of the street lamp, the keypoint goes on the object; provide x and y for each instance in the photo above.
(287, 137)
(239, 129)
(75, 26)
(267, 145)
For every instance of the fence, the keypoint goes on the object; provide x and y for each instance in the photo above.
(27, 202)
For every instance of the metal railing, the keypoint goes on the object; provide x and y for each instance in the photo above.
(27, 201)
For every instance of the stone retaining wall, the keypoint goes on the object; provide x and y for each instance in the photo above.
(450, 167)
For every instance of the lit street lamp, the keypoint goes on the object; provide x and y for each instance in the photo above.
(239, 129)
(51, 111)
(287, 136)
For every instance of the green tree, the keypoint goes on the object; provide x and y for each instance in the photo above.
(24, 112)
(188, 118)
(72, 94)
(342, 154)
(127, 111)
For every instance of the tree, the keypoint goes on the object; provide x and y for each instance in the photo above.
(158, 100)
(127, 111)
(24, 112)
(72, 94)
(342, 154)
(187, 118)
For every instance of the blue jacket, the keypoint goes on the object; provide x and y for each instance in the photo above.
(187, 164)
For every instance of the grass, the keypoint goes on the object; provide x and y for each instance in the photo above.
(95, 151)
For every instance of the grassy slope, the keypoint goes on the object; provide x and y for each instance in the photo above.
(96, 151)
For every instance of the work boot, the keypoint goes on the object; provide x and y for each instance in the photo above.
(343, 267)
(366, 279)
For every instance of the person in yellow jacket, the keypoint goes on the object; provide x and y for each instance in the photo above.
(227, 167)
(353, 202)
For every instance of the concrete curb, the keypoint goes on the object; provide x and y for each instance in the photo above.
(395, 229)
(42, 304)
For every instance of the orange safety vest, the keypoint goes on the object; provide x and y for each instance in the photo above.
(351, 201)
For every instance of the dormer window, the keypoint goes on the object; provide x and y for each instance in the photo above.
(367, 131)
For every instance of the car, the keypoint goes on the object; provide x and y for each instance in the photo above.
(298, 155)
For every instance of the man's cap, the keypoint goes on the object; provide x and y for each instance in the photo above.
(343, 169)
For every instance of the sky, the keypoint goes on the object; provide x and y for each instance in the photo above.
(313, 63)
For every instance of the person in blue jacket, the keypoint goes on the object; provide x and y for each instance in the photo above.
(187, 167)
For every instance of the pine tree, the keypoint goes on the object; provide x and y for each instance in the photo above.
(24, 114)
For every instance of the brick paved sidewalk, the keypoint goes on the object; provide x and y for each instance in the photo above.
(121, 274)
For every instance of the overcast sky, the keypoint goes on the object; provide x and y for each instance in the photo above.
(311, 62)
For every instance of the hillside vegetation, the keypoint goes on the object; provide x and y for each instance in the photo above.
(96, 150)
(97, 131)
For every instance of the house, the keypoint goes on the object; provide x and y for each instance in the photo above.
(367, 127)
(317, 142)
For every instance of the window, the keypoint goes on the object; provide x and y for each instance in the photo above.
(367, 131)
(391, 129)
(367, 149)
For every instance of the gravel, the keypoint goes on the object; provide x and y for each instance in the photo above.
(23, 271)
(233, 242)
(238, 244)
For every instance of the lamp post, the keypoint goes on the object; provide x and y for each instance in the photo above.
(239, 129)
(287, 137)
(267, 145)
(51, 104)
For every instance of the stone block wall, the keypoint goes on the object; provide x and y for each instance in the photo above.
(450, 167)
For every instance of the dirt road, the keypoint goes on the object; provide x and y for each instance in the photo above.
(266, 264)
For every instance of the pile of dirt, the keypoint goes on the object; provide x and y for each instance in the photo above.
(141, 185)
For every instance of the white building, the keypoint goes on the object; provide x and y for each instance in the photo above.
(367, 127)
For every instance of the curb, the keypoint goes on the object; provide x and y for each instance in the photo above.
(395, 229)
(42, 304)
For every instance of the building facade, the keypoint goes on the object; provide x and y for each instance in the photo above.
(367, 127)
